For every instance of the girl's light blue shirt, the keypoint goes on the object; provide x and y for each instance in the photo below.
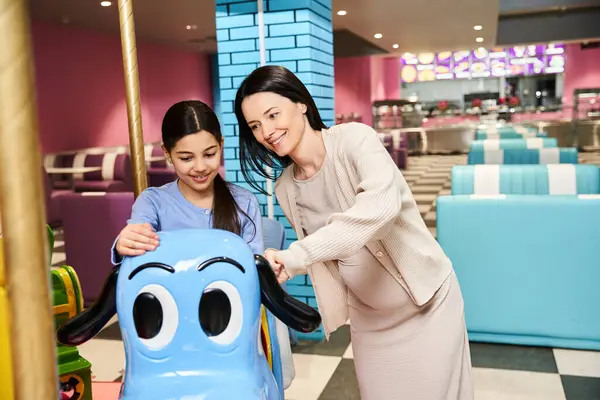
(165, 208)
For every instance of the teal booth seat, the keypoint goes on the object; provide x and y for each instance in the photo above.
(554, 155)
(552, 179)
(507, 134)
(528, 266)
(506, 144)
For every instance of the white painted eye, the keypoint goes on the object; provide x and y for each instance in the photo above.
(221, 312)
(155, 316)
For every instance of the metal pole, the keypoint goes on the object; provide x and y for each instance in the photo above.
(35, 374)
(132, 87)
(263, 58)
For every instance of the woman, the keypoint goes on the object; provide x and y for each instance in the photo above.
(361, 239)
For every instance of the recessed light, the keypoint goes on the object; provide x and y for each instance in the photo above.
(395, 46)
(478, 27)
(479, 40)
(341, 12)
(106, 3)
(378, 36)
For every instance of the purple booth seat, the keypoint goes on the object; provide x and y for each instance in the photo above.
(52, 199)
(397, 151)
(115, 176)
(91, 222)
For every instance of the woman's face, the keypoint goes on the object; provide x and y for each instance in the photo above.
(276, 122)
(196, 159)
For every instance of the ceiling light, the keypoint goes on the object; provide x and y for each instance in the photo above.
(341, 12)
(395, 46)
(106, 3)
(479, 40)
(478, 27)
(378, 36)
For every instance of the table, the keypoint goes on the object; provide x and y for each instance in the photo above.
(155, 158)
(69, 171)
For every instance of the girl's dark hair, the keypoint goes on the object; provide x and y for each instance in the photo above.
(254, 157)
(189, 117)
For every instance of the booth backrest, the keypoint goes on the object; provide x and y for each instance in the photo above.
(506, 144)
(527, 266)
(91, 223)
(554, 179)
(555, 155)
(481, 135)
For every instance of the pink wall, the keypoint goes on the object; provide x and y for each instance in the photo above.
(361, 80)
(353, 87)
(582, 70)
(385, 78)
(81, 89)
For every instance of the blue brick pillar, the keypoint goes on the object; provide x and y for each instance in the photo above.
(298, 36)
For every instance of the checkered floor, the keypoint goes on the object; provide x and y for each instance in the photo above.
(325, 371)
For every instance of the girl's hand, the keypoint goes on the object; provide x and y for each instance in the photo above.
(271, 256)
(136, 239)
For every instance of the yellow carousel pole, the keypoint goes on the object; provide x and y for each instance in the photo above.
(132, 87)
(23, 216)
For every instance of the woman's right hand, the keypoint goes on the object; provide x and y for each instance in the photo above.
(279, 270)
(136, 239)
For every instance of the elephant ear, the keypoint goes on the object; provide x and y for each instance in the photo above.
(292, 312)
(85, 325)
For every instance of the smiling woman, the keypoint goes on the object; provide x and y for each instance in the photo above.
(362, 241)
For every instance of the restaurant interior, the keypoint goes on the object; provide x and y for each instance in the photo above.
(490, 110)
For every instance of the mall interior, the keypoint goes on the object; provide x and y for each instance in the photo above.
(490, 110)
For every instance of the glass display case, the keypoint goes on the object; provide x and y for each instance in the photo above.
(396, 114)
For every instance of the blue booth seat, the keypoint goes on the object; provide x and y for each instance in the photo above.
(553, 179)
(528, 266)
(506, 144)
(508, 134)
(554, 155)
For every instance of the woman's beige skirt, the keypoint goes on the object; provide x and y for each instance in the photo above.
(402, 351)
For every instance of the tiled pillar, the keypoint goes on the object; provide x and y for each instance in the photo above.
(298, 36)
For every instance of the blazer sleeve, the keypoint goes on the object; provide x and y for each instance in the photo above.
(376, 206)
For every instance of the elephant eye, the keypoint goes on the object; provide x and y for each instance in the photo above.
(155, 316)
(220, 312)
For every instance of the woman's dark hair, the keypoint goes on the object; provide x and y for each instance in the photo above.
(254, 157)
(189, 117)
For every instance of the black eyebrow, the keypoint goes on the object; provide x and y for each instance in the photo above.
(166, 267)
(227, 260)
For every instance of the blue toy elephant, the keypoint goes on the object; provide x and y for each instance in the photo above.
(189, 314)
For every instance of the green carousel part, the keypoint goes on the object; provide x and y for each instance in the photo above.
(74, 370)
(75, 373)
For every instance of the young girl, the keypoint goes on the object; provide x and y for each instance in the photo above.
(362, 240)
(199, 197)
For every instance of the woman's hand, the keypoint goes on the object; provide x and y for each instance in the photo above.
(136, 239)
(271, 256)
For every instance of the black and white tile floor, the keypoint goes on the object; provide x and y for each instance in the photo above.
(325, 371)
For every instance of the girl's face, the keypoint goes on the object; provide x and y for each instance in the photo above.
(276, 122)
(196, 159)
